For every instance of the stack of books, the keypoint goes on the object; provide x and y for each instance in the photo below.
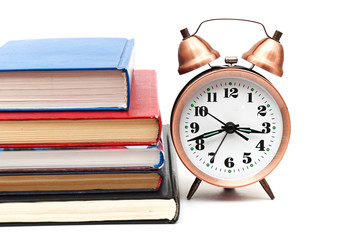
(81, 135)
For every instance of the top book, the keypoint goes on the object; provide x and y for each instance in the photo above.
(66, 74)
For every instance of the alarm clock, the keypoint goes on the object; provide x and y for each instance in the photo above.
(229, 124)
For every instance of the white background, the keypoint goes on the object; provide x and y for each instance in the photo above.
(306, 181)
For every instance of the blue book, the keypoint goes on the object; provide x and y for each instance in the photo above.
(80, 158)
(66, 74)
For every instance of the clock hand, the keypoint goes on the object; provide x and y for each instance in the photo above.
(248, 130)
(217, 119)
(241, 135)
(213, 157)
(229, 124)
(207, 134)
(232, 128)
(228, 127)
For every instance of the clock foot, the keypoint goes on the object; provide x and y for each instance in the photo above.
(193, 188)
(266, 187)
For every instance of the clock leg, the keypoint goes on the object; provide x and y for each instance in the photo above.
(193, 188)
(266, 187)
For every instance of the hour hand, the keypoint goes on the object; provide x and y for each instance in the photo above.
(207, 134)
(248, 130)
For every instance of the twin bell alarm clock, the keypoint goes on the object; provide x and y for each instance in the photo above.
(229, 124)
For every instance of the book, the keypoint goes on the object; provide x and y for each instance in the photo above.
(78, 182)
(65, 74)
(83, 159)
(161, 206)
(140, 125)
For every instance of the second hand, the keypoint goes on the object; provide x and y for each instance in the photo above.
(213, 157)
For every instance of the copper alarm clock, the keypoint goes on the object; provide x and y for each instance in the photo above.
(229, 124)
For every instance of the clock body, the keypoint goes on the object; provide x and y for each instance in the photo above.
(230, 126)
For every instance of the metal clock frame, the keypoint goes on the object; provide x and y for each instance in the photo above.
(195, 84)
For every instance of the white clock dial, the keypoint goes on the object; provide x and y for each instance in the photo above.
(231, 128)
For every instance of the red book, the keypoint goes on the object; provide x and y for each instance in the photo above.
(140, 125)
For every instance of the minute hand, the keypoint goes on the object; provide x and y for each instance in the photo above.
(207, 134)
(248, 130)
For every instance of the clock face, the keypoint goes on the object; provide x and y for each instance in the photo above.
(230, 128)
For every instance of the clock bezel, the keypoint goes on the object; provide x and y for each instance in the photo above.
(195, 84)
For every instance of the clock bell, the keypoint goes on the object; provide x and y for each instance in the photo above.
(195, 52)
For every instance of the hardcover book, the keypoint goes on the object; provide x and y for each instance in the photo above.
(140, 125)
(79, 182)
(83, 159)
(66, 74)
(161, 206)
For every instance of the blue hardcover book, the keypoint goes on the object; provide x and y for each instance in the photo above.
(66, 74)
(80, 158)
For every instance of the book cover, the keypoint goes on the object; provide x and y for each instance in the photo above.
(140, 125)
(141, 207)
(66, 54)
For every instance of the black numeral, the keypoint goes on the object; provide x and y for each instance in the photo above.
(260, 145)
(201, 111)
(250, 97)
(233, 92)
(212, 160)
(247, 158)
(194, 127)
(199, 144)
(266, 127)
(262, 110)
(229, 162)
(212, 97)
